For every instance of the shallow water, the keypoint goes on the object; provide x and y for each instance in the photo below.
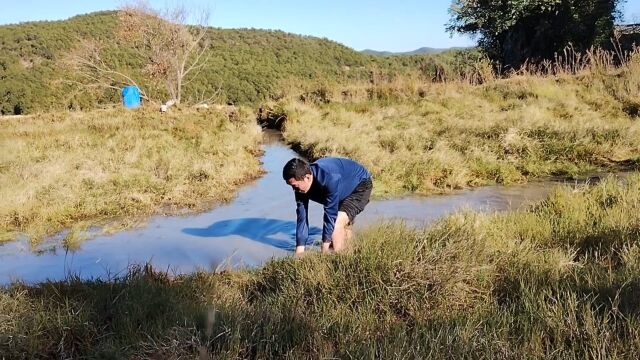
(255, 227)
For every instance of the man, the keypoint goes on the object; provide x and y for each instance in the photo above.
(343, 186)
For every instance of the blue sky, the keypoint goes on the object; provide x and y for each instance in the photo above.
(400, 25)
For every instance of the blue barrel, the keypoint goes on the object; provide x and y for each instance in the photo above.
(131, 97)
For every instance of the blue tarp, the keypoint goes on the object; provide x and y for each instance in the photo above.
(131, 97)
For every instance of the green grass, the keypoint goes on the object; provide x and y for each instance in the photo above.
(421, 137)
(558, 280)
(112, 168)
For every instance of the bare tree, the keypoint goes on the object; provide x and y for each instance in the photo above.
(172, 51)
(93, 71)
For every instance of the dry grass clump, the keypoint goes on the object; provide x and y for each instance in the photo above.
(558, 280)
(455, 135)
(75, 170)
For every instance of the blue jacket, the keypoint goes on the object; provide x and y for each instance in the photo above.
(333, 180)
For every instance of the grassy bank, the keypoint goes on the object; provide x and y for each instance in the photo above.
(559, 280)
(423, 137)
(110, 167)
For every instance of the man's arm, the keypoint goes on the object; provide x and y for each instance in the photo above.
(302, 222)
(330, 209)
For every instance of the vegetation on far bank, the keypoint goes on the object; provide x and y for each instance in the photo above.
(421, 137)
(559, 280)
(73, 170)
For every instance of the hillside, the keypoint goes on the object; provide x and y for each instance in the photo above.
(246, 66)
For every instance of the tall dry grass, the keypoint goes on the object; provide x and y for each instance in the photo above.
(559, 280)
(425, 137)
(112, 167)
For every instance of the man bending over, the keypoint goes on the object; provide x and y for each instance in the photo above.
(343, 186)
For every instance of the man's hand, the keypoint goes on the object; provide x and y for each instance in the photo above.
(299, 251)
(325, 247)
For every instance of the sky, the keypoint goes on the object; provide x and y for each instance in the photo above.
(400, 25)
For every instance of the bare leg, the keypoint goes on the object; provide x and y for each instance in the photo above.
(340, 232)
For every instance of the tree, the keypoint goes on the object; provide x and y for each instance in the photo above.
(512, 32)
(88, 63)
(169, 50)
(172, 50)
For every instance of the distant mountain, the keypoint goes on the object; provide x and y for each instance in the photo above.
(420, 51)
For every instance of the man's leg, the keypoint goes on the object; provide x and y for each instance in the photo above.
(352, 206)
(340, 232)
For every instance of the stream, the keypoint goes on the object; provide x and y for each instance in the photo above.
(259, 224)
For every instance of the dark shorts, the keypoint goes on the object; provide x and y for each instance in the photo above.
(359, 198)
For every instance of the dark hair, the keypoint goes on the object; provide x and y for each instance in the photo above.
(295, 168)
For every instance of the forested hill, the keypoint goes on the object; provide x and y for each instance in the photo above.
(244, 65)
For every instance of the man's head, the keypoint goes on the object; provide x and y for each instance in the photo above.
(297, 173)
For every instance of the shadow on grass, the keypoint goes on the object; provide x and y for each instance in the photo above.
(274, 232)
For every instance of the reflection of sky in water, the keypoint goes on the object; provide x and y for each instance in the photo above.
(258, 225)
